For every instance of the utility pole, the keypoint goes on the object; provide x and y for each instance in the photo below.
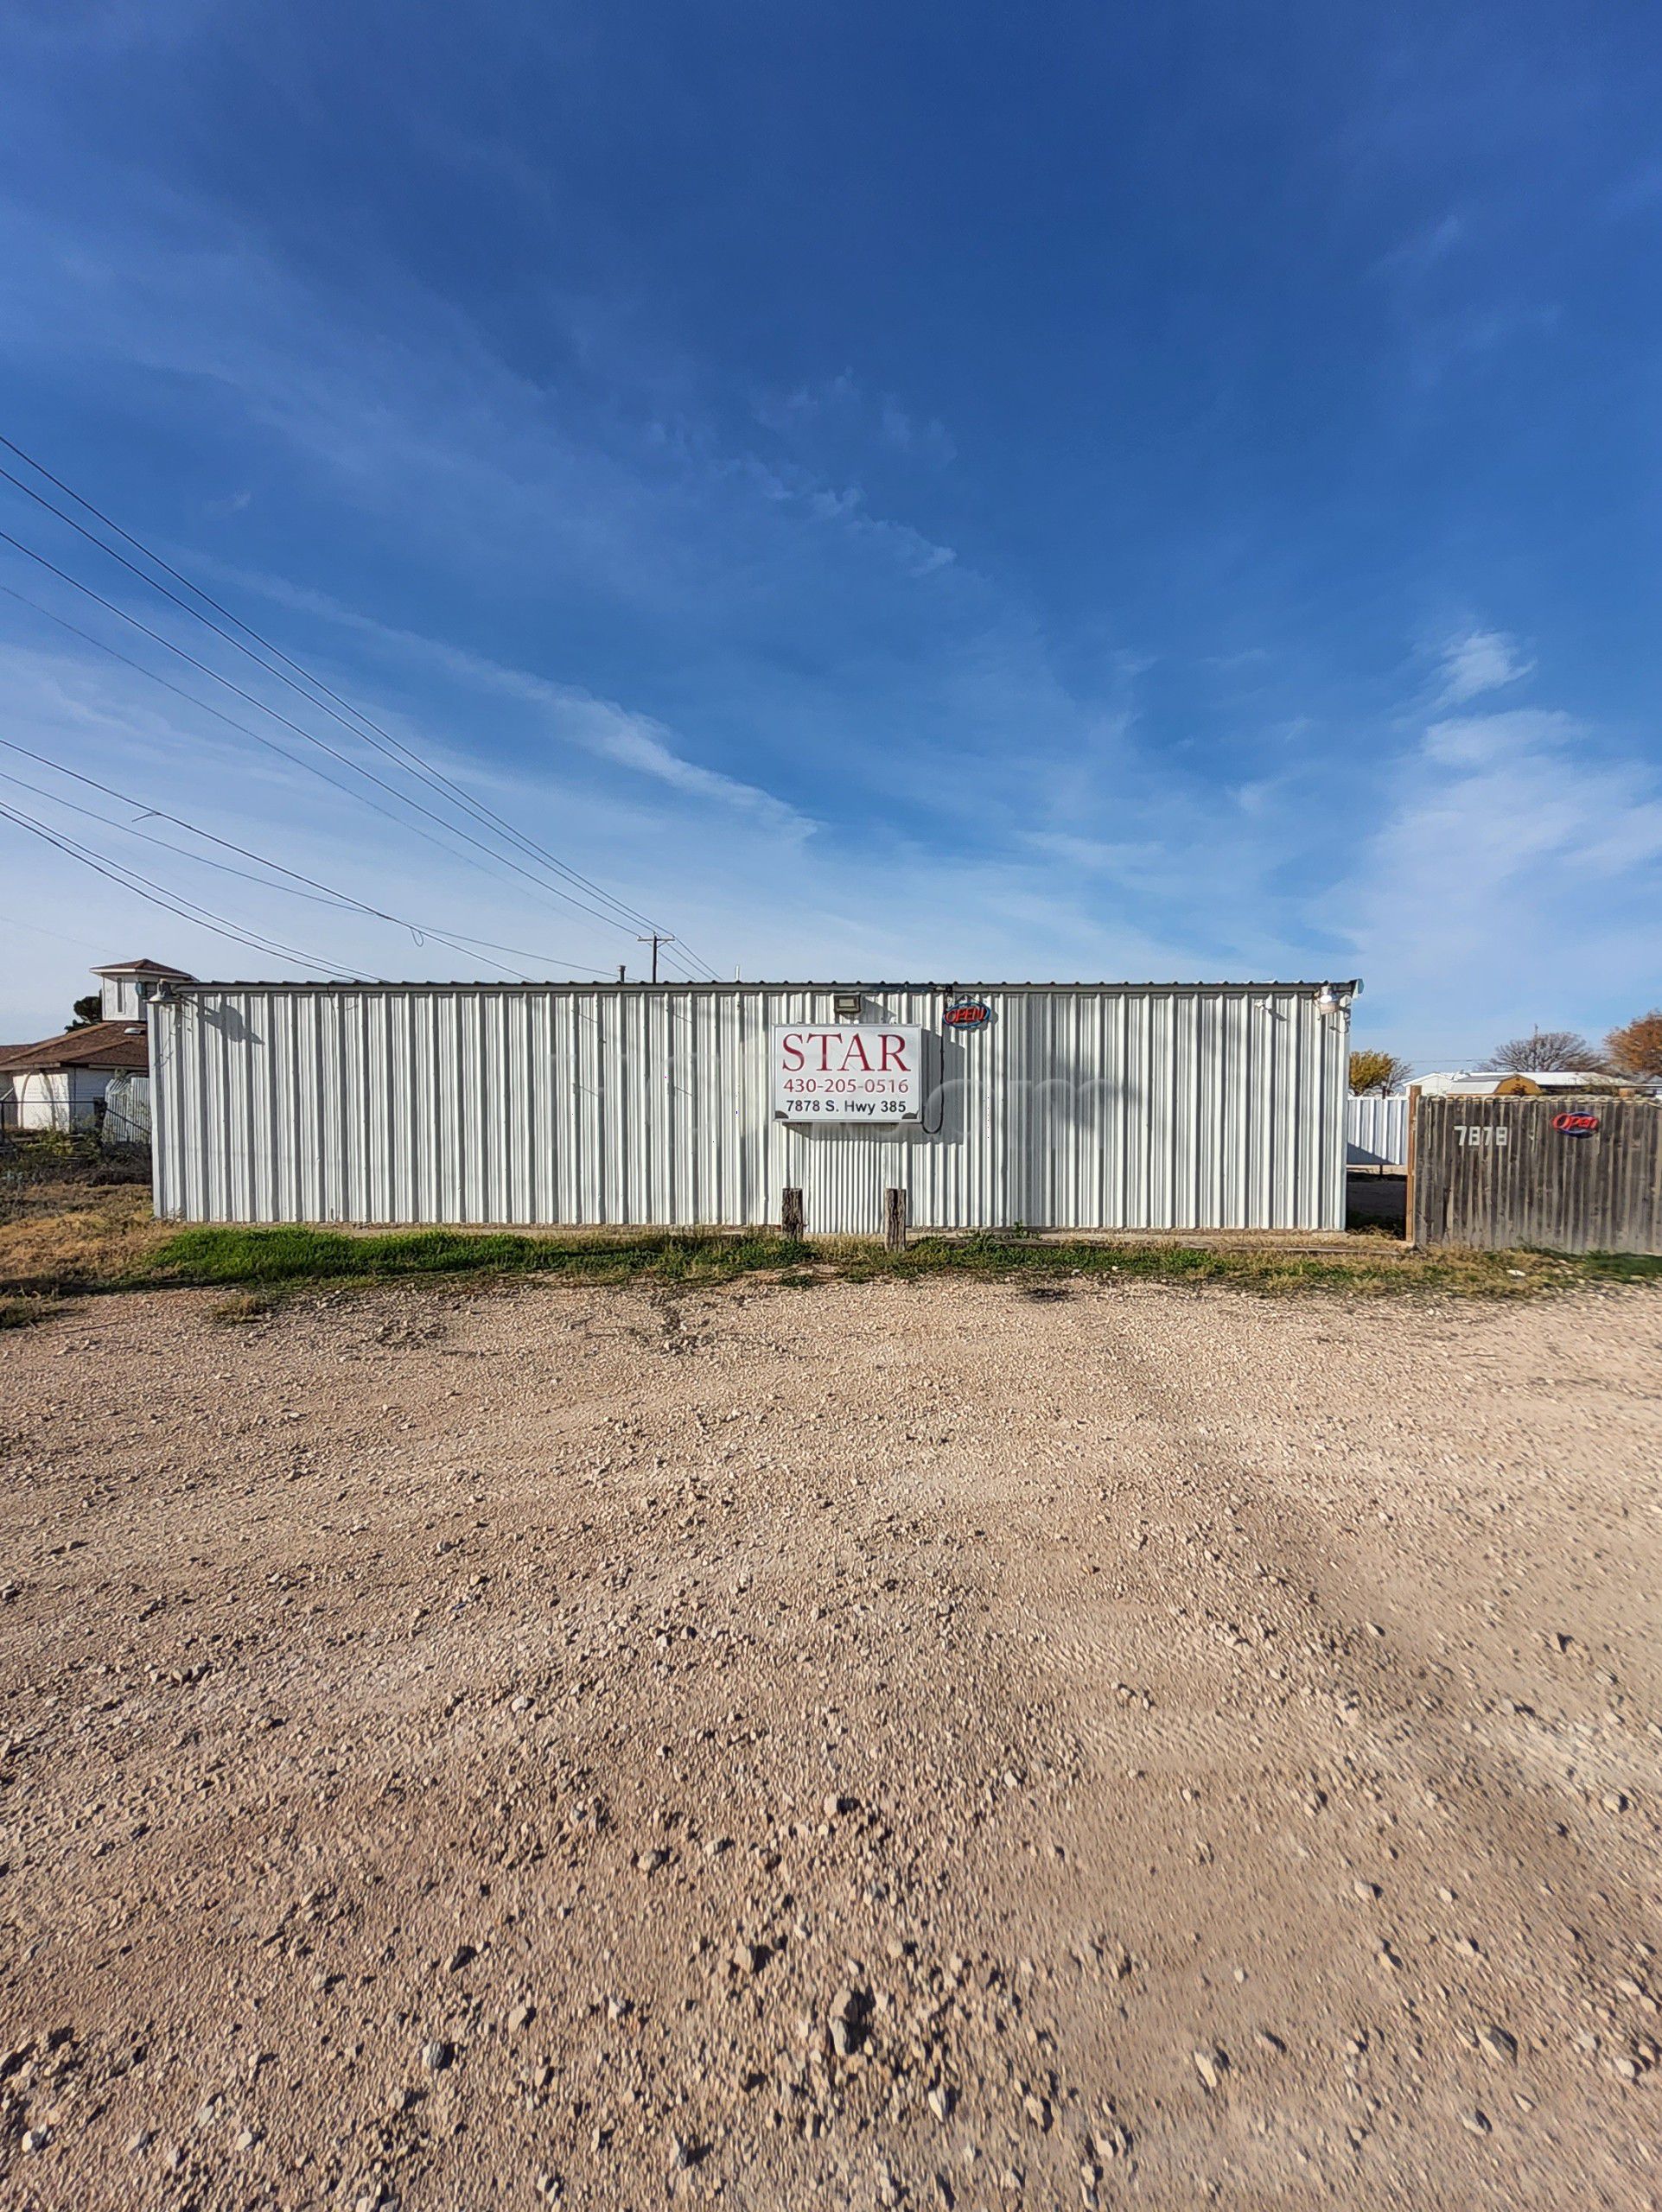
(654, 941)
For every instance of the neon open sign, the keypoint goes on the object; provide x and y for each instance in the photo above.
(1576, 1125)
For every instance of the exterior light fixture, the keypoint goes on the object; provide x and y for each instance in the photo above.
(1329, 1001)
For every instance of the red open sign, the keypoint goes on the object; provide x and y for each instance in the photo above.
(971, 1015)
(1576, 1125)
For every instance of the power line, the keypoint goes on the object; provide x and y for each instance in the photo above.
(219, 714)
(324, 893)
(371, 729)
(16, 922)
(311, 738)
(156, 894)
(362, 725)
(146, 888)
(225, 868)
(258, 737)
(393, 749)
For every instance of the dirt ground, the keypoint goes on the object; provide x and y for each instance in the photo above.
(926, 1743)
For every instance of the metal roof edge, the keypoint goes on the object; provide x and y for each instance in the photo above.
(763, 983)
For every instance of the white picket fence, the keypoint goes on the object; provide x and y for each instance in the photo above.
(127, 1110)
(1375, 1132)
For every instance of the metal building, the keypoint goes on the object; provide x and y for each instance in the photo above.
(1084, 1106)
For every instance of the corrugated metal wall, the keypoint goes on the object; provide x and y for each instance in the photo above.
(1375, 1132)
(1076, 1107)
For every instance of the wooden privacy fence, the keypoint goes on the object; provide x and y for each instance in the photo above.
(1559, 1174)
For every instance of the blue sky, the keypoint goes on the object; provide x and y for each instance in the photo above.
(888, 492)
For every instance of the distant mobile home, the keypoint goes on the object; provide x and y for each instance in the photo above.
(1054, 1106)
(1490, 1082)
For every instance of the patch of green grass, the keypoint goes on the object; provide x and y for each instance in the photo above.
(270, 1259)
(1367, 1266)
(295, 1256)
(1620, 1266)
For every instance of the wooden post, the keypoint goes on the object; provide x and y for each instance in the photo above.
(895, 1220)
(790, 1219)
(1413, 1162)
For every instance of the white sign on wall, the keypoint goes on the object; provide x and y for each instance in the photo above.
(867, 1073)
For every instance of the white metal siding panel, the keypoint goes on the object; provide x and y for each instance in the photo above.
(1375, 1132)
(1087, 1107)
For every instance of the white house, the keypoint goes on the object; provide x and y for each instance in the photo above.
(60, 1083)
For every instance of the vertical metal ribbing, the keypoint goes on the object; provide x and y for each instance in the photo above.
(1073, 1108)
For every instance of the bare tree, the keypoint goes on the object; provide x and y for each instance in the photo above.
(1554, 1049)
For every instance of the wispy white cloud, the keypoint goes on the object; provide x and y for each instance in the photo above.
(567, 714)
(1512, 876)
(894, 770)
(400, 406)
(787, 484)
(1514, 880)
(878, 903)
(1456, 302)
(1478, 661)
(928, 441)
(844, 405)
(788, 412)
(426, 440)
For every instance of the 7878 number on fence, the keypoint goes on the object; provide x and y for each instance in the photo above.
(863, 1074)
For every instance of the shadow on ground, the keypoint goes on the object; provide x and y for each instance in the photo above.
(1376, 1200)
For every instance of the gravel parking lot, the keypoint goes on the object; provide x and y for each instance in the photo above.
(935, 1743)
